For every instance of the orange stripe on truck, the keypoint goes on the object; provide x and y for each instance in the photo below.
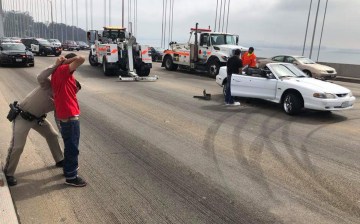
(177, 52)
(114, 51)
(144, 51)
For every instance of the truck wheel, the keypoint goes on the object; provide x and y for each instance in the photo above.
(292, 104)
(92, 60)
(169, 64)
(143, 71)
(213, 68)
(107, 71)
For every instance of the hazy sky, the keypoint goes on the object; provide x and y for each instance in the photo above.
(270, 23)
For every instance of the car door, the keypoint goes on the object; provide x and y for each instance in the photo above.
(35, 47)
(204, 51)
(240, 86)
(254, 87)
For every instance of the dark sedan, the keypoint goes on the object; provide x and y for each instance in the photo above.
(83, 45)
(16, 54)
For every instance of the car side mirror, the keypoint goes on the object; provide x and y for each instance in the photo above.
(295, 63)
(269, 76)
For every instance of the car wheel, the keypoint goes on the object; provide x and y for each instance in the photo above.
(292, 104)
(213, 68)
(169, 64)
(308, 73)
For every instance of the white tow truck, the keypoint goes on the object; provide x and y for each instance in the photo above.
(208, 54)
(116, 50)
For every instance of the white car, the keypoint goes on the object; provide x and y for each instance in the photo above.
(286, 84)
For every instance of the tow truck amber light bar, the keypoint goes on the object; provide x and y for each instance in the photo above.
(201, 30)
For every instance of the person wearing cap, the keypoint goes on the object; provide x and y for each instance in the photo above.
(233, 66)
(249, 58)
(67, 111)
(31, 114)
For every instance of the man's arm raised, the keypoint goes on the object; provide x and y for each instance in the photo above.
(77, 61)
(42, 78)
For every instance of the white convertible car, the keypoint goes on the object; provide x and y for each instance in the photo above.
(286, 84)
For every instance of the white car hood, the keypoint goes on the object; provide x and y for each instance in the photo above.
(226, 47)
(317, 85)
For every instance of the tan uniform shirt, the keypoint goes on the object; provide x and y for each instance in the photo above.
(40, 100)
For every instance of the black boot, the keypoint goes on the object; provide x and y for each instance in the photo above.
(11, 180)
(60, 164)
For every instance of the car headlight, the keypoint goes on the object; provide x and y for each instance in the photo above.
(324, 95)
(350, 94)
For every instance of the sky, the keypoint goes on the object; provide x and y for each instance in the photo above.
(270, 26)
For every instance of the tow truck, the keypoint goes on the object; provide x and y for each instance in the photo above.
(208, 54)
(117, 50)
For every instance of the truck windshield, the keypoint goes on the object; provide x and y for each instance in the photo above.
(223, 39)
(113, 34)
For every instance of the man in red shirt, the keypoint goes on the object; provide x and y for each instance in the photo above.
(67, 111)
(249, 58)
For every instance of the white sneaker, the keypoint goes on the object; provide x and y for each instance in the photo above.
(235, 104)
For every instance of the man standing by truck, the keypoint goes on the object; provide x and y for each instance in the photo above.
(234, 66)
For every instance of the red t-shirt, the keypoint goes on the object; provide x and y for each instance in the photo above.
(64, 89)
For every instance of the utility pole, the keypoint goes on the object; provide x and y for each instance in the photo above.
(312, 41)
(1, 20)
(52, 19)
(72, 19)
(77, 20)
(122, 23)
(61, 21)
(66, 28)
(307, 27)
(104, 12)
(322, 29)
(91, 14)
(109, 12)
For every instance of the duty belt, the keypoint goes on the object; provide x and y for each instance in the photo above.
(30, 117)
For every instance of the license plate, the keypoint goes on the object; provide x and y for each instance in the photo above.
(345, 104)
(18, 60)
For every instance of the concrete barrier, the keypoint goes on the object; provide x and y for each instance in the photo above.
(346, 70)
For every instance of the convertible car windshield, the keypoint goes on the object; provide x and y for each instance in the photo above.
(287, 70)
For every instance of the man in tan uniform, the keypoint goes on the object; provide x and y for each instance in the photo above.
(35, 105)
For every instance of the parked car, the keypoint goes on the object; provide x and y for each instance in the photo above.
(4, 40)
(284, 83)
(15, 54)
(55, 42)
(15, 39)
(41, 46)
(308, 66)
(156, 53)
(83, 45)
(70, 45)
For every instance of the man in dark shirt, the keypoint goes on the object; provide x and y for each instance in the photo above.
(234, 66)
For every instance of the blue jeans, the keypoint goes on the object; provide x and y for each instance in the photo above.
(70, 132)
(228, 98)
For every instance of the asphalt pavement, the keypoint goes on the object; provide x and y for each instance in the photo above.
(151, 153)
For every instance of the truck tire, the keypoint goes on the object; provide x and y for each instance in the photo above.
(143, 71)
(92, 60)
(213, 66)
(292, 103)
(107, 71)
(169, 64)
